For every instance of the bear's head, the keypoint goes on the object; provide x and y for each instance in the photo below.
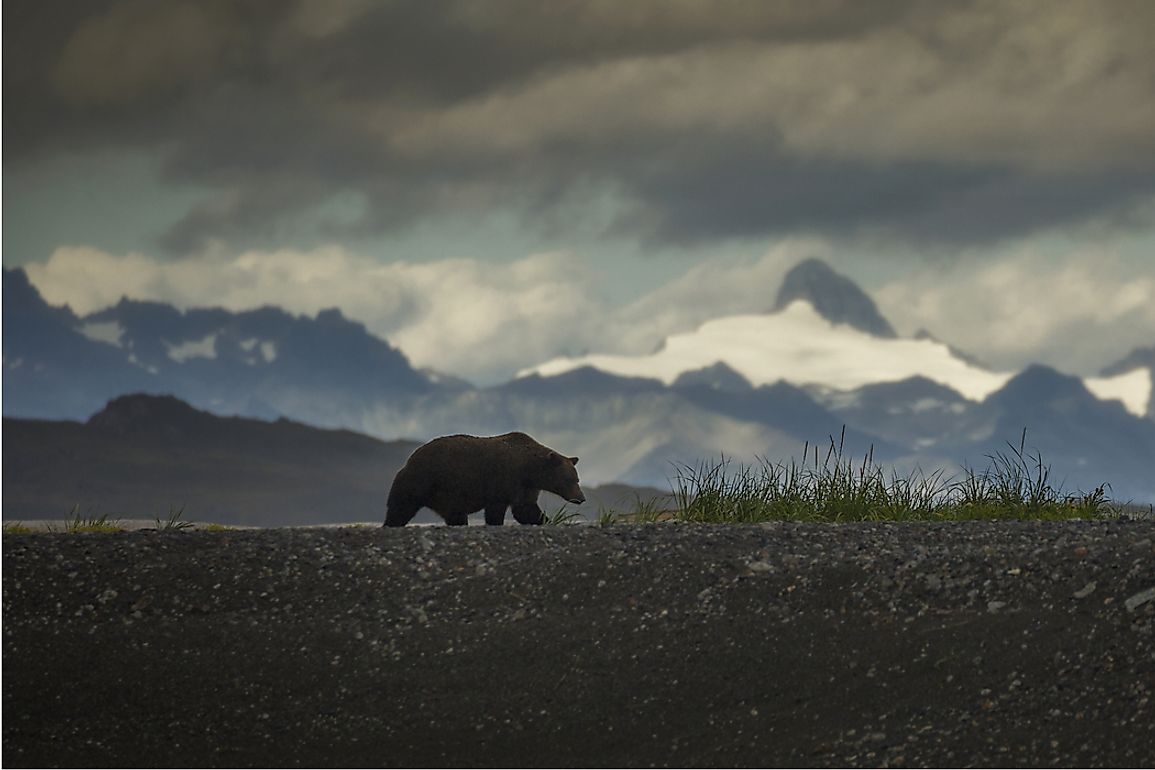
(560, 477)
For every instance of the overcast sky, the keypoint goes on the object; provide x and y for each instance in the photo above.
(486, 183)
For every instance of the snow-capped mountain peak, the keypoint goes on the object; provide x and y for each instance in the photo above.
(800, 346)
(833, 296)
(797, 345)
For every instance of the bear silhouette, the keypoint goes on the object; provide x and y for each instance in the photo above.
(459, 475)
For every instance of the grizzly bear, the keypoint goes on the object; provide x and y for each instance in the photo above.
(459, 475)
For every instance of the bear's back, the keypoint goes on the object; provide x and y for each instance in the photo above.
(488, 453)
(521, 441)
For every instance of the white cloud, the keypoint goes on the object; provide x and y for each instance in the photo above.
(476, 319)
(1132, 388)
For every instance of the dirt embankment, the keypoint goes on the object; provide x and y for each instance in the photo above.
(784, 644)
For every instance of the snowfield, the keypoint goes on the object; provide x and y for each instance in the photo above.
(801, 347)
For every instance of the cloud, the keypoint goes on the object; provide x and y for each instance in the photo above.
(462, 316)
(1077, 311)
(958, 122)
(889, 94)
(144, 48)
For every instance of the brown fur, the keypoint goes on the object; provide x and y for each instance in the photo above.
(459, 475)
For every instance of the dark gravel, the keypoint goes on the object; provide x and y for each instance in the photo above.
(989, 644)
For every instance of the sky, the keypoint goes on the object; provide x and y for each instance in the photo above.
(492, 185)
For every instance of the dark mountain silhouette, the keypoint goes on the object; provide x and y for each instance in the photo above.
(719, 377)
(1041, 390)
(326, 370)
(584, 381)
(788, 409)
(50, 368)
(916, 412)
(143, 456)
(258, 346)
(151, 416)
(1088, 442)
(834, 296)
(962, 355)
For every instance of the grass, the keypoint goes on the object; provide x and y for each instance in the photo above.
(607, 516)
(174, 522)
(643, 512)
(560, 517)
(830, 487)
(76, 523)
(80, 524)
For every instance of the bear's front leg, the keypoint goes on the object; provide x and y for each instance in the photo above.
(400, 514)
(495, 515)
(527, 513)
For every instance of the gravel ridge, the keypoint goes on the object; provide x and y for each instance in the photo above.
(864, 645)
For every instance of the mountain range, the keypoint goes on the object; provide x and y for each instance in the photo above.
(820, 359)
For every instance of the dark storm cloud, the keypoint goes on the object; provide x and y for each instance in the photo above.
(959, 122)
(106, 63)
(743, 196)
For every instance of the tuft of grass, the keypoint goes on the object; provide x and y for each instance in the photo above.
(647, 512)
(174, 522)
(17, 528)
(606, 516)
(78, 523)
(1017, 485)
(831, 487)
(641, 512)
(217, 528)
(560, 517)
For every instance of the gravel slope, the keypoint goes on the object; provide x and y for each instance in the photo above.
(864, 645)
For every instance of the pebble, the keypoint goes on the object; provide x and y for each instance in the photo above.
(1133, 603)
(1086, 590)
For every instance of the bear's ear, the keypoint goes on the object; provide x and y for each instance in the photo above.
(573, 460)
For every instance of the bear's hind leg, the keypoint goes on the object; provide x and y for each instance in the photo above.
(527, 513)
(495, 515)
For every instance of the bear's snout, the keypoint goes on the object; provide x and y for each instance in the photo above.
(578, 498)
